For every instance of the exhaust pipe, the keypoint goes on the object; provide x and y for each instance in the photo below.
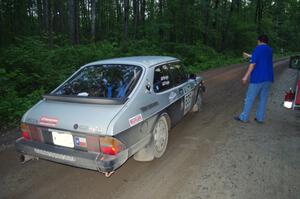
(25, 158)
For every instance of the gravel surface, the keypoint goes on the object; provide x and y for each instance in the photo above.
(209, 155)
(257, 160)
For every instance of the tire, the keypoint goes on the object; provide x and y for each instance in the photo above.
(160, 137)
(198, 104)
(158, 144)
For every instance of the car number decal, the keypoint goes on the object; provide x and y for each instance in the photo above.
(188, 102)
(135, 120)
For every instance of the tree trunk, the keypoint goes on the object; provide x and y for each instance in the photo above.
(45, 15)
(73, 19)
(136, 16)
(119, 12)
(40, 14)
(50, 24)
(58, 16)
(143, 10)
(93, 20)
(77, 21)
(48, 21)
(206, 22)
(226, 26)
(160, 15)
(142, 17)
(258, 15)
(126, 18)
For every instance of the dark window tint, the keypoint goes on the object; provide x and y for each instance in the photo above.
(178, 74)
(162, 79)
(106, 81)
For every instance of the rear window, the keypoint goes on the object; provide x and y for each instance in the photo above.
(104, 81)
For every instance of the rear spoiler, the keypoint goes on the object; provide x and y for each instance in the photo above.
(85, 100)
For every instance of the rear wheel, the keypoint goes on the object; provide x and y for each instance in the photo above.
(158, 144)
(160, 137)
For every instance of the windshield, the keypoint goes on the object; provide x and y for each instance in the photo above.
(105, 81)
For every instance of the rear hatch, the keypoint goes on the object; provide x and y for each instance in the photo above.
(79, 126)
(76, 117)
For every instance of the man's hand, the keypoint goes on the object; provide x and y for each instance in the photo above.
(247, 74)
(245, 80)
(246, 55)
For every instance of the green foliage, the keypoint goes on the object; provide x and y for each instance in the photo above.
(202, 33)
(30, 69)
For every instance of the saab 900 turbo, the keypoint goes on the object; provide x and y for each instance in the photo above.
(110, 110)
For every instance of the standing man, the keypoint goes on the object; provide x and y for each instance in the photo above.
(260, 71)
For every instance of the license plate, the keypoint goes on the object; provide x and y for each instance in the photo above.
(63, 139)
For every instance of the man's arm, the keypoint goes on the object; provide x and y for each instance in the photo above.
(246, 55)
(247, 74)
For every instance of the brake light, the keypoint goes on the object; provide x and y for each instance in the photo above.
(26, 135)
(25, 131)
(110, 145)
(106, 145)
(93, 143)
(36, 134)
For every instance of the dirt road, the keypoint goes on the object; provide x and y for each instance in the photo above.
(209, 155)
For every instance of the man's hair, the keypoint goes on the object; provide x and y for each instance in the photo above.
(263, 38)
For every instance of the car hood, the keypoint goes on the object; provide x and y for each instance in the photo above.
(78, 117)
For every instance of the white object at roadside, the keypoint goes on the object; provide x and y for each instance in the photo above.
(288, 104)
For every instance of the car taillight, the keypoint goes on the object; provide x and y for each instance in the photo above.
(110, 145)
(36, 134)
(30, 132)
(106, 145)
(93, 143)
(25, 131)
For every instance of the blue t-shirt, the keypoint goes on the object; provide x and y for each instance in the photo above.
(262, 57)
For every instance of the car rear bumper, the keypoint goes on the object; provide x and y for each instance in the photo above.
(82, 159)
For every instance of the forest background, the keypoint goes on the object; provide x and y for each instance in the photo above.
(44, 41)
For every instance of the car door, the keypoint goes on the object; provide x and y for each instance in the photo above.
(185, 85)
(173, 89)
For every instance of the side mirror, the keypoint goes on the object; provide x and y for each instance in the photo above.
(192, 76)
(295, 62)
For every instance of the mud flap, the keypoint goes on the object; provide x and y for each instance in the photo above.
(145, 154)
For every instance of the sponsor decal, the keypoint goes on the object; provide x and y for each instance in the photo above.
(47, 121)
(55, 155)
(135, 120)
(172, 97)
(80, 141)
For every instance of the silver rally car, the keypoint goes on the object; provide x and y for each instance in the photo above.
(110, 110)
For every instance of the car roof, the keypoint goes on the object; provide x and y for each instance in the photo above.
(146, 61)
